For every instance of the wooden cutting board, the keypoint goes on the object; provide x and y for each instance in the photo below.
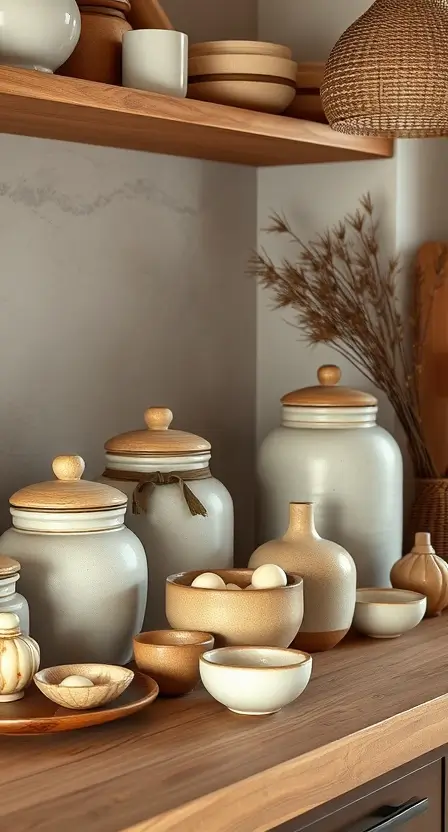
(432, 378)
(148, 14)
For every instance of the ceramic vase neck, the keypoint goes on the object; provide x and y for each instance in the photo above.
(8, 586)
(301, 521)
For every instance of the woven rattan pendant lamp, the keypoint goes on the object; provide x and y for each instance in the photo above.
(388, 73)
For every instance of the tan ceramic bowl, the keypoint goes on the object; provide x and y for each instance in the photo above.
(110, 681)
(239, 47)
(171, 657)
(262, 96)
(259, 65)
(266, 617)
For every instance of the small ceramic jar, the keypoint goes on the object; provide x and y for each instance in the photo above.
(98, 54)
(181, 513)
(330, 451)
(83, 572)
(39, 35)
(19, 658)
(10, 600)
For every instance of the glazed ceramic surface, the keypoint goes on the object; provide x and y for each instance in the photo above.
(329, 578)
(99, 52)
(330, 451)
(255, 680)
(109, 682)
(10, 599)
(19, 658)
(156, 60)
(38, 35)
(388, 613)
(175, 540)
(171, 657)
(83, 572)
(422, 571)
(269, 617)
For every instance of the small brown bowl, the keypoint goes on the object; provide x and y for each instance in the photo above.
(265, 617)
(171, 657)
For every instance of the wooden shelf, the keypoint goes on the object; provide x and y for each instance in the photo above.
(53, 107)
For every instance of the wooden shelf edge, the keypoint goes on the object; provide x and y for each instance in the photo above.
(69, 109)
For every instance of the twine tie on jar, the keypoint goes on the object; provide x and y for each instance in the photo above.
(147, 482)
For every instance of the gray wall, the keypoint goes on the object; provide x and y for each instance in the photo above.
(123, 286)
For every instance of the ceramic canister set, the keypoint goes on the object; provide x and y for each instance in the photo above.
(86, 549)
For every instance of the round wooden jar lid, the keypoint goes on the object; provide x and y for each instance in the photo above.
(328, 393)
(158, 439)
(68, 492)
(8, 566)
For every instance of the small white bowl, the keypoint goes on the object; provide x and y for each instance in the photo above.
(255, 680)
(386, 612)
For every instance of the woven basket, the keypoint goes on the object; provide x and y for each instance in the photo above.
(430, 513)
(388, 73)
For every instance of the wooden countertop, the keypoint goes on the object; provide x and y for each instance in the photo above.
(190, 765)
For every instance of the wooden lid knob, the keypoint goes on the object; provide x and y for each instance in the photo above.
(68, 468)
(329, 375)
(422, 539)
(158, 418)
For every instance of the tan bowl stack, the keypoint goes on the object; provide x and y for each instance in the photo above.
(248, 74)
(308, 104)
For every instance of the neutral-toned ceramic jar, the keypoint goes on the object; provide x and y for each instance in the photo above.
(38, 35)
(83, 572)
(329, 579)
(422, 571)
(330, 451)
(98, 54)
(19, 658)
(10, 599)
(181, 513)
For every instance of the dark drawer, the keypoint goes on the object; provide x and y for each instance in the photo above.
(416, 799)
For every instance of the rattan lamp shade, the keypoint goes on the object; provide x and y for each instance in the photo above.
(388, 73)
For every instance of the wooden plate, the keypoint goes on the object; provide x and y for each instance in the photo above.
(35, 714)
(239, 47)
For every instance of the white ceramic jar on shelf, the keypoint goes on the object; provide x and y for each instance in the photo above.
(38, 35)
(181, 513)
(330, 451)
(83, 572)
(10, 599)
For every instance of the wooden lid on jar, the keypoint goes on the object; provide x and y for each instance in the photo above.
(328, 393)
(68, 492)
(8, 566)
(158, 439)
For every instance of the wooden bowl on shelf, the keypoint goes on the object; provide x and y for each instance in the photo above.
(261, 66)
(239, 47)
(307, 103)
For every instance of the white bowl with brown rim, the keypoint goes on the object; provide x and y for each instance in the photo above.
(255, 681)
(386, 612)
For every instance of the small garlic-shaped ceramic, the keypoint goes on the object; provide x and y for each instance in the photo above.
(19, 658)
(422, 571)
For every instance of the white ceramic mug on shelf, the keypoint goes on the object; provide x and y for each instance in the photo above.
(156, 60)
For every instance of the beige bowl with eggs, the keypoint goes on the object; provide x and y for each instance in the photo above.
(266, 617)
(109, 682)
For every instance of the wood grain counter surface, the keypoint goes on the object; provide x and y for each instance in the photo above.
(189, 765)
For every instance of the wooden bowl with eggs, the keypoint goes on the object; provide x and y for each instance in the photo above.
(270, 617)
(81, 687)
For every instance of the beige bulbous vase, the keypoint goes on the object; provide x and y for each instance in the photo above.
(422, 571)
(329, 579)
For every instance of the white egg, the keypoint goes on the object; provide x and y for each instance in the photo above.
(76, 682)
(232, 586)
(208, 580)
(249, 587)
(269, 576)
